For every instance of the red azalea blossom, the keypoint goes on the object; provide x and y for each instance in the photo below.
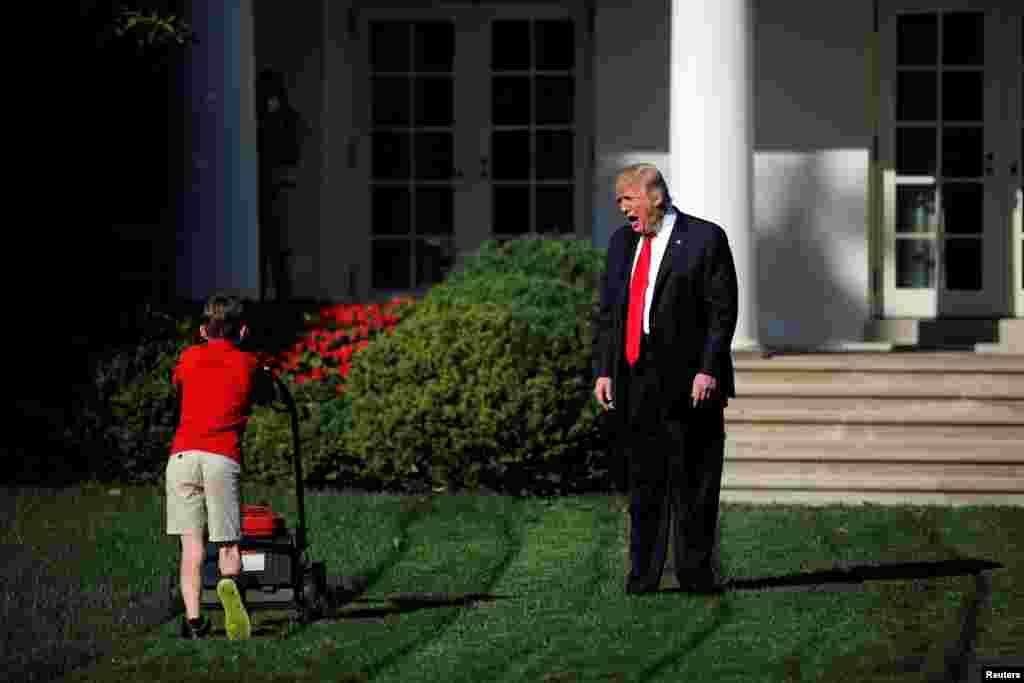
(362, 345)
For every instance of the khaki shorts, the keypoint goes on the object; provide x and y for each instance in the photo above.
(203, 490)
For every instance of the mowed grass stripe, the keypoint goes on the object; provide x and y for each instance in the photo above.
(567, 567)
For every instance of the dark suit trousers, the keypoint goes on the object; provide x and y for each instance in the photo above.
(674, 461)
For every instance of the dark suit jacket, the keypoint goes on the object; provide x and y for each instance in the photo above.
(693, 311)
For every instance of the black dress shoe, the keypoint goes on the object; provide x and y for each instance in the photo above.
(697, 582)
(634, 587)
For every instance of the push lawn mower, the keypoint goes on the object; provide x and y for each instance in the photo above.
(276, 570)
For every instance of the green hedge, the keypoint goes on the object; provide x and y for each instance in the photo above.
(489, 380)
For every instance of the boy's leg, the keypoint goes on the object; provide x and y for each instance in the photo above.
(186, 517)
(192, 550)
(222, 476)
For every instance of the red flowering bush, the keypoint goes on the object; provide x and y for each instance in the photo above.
(323, 351)
(315, 367)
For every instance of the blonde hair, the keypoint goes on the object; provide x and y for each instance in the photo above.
(650, 179)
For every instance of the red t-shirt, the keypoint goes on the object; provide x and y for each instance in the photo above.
(215, 381)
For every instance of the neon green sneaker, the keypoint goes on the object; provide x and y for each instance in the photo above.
(236, 618)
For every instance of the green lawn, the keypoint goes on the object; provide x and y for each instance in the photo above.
(557, 567)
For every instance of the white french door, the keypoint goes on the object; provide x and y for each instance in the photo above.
(1016, 105)
(947, 149)
(473, 124)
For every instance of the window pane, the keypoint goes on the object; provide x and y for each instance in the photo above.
(434, 101)
(554, 41)
(963, 208)
(510, 45)
(915, 151)
(554, 155)
(510, 100)
(434, 259)
(915, 264)
(917, 96)
(391, 211)
(915, 209)
(435, 158)
(963, 38)
(391, 156)
(434, 46)
(510, 152)
(435, 211)
(391, 101)
(554, 100)
(963, 264)
(511, 210)
(962, 152)
(391, 263)
(555, 210)
(389, 46)
(962, 96)
(917, 39)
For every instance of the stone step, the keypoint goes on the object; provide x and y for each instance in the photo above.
(1004, 452)
(868, 410)
(806, 497)
(790, 382)
(916, 362)
(885, 435)
(845, 476)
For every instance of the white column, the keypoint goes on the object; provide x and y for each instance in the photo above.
(218, 236)
(711, 131)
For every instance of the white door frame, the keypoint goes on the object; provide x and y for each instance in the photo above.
(934, 301)
(472, 111)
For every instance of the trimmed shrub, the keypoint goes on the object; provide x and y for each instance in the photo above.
(489, 380)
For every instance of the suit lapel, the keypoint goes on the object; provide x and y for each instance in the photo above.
(674, 249)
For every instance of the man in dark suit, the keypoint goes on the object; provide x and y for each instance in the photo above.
(662, 337)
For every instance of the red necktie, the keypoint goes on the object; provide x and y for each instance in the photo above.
(637, 289)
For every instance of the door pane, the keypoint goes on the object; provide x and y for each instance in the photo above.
(963, 208)
(554, 155)
(389, 46)
(554, 210)
(963, 96)
(963, 264)
(915, 209)
(962, 155)
(434, 259)
(391, 211)
(963, 38)
(391, 156)
(554, 100)
(434, 46)
(915, 151)
(917, 39)
(554, 43)
(435, 156)
(510, 100)
(917, 96)
(510, 45)
(511, 153)
(391, 105)
(435, 211)
(434, 101)
(511, 207)
(915, 263)
(391, 260)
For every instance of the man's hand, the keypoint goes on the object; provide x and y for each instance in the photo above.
(704, 387)
(603, 392)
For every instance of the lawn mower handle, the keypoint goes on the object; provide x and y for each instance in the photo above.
(300, 532)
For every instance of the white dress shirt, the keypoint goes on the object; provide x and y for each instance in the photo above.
(659, 243)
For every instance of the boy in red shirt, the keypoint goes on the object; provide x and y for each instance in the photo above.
(217, 384)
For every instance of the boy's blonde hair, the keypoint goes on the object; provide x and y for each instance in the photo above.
(223, 316)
